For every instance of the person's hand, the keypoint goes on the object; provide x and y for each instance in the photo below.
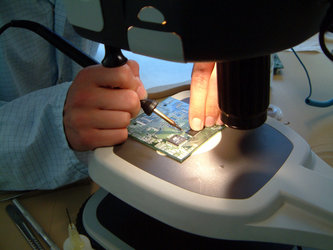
(204, 110)
(99, 105)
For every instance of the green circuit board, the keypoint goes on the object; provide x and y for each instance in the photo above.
(159, 135)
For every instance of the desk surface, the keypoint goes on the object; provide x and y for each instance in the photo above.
(288, 91)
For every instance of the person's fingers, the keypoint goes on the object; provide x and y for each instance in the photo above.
(99, 105)
(99, 119)
(83, 140)
(106, 119)
(118, 99)
(212, 113)
(105, 98)
(199, 90)
(109, 137)
(134, 66)
(118, 77)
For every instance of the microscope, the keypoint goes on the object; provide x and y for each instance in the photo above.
(261, 186)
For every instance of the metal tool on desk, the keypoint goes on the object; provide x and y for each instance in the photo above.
(28, 217)
(22, 218)
(19, 221)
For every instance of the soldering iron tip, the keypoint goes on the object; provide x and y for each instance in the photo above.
(178, 127)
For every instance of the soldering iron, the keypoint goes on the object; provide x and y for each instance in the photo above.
(113, 58)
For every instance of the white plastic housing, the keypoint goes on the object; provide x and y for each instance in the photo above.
(294, 207)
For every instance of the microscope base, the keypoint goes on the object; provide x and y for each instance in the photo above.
(112, 224)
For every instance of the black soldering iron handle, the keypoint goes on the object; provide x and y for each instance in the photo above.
(113, 57)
